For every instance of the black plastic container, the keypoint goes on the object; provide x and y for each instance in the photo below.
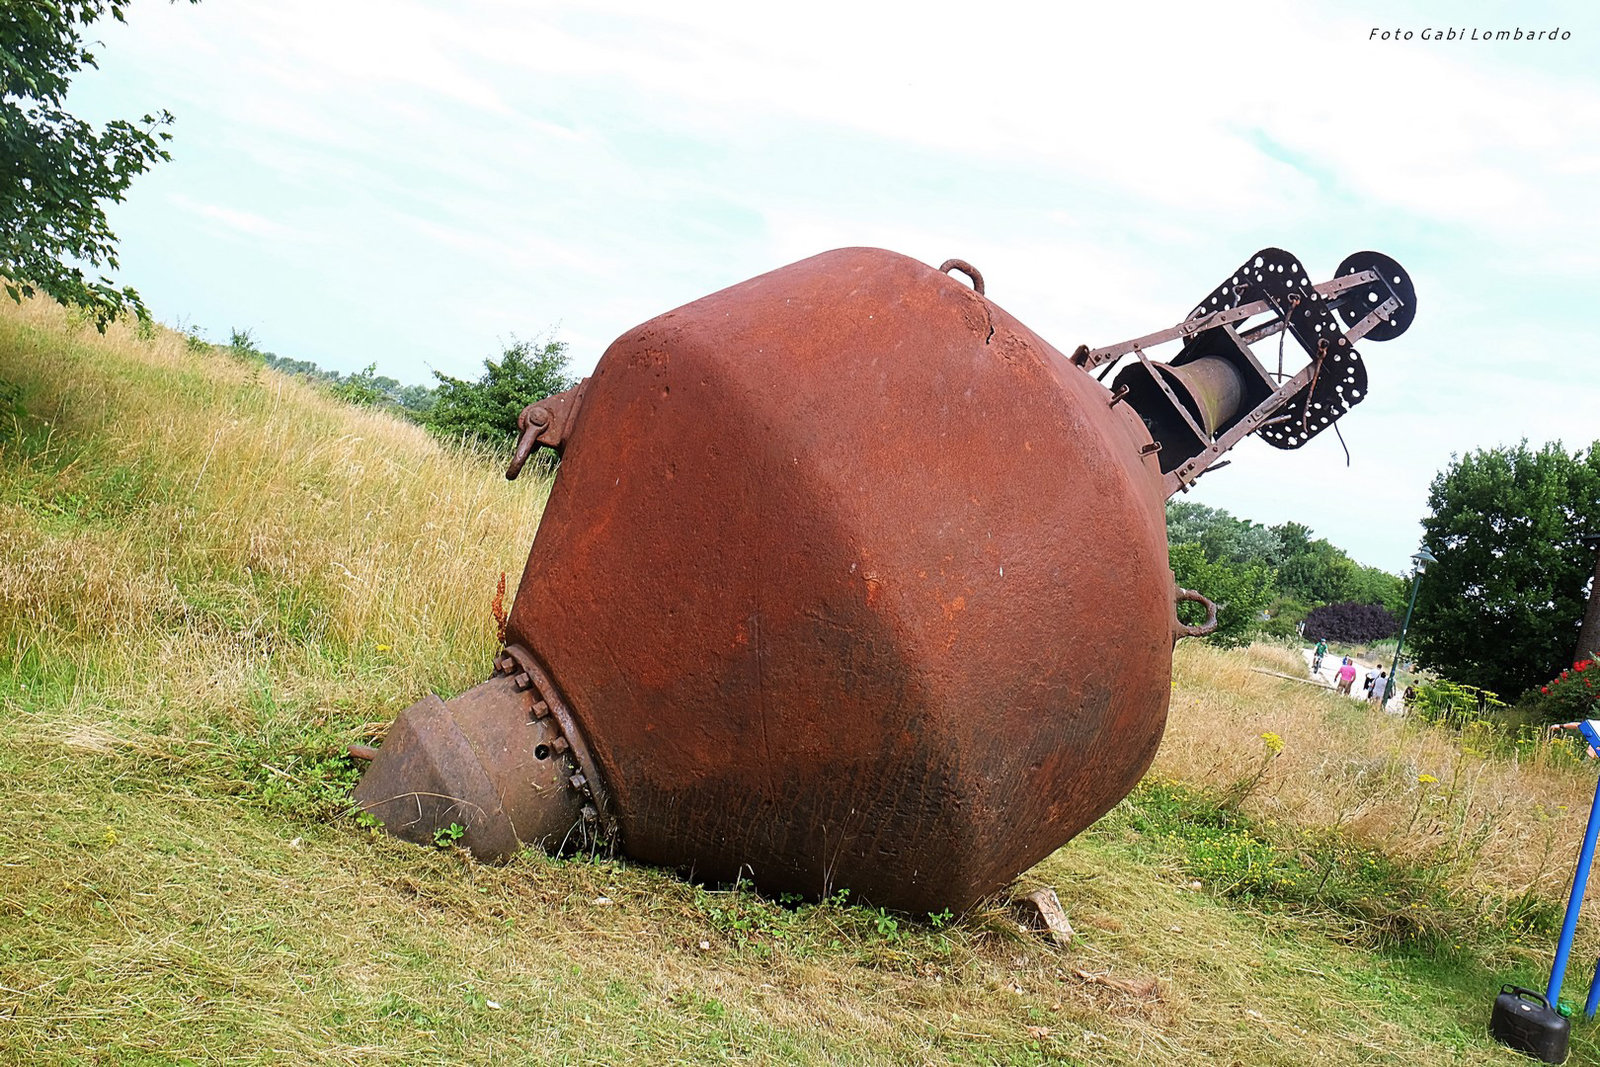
(1526, 1021)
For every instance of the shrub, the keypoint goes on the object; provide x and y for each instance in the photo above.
(364, 389)
(242, 346)
(1284, 618)
(485, 411)
(1572, 694)
(1350, 623)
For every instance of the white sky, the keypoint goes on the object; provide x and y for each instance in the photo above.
(410, 183)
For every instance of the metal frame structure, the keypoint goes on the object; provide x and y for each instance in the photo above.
(1198, 414)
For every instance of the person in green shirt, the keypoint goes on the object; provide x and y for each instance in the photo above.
(1316, 661)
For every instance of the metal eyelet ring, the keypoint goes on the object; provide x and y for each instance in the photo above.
(1183, 629)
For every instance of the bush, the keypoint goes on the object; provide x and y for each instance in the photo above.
(1350, 623)
(1284, 618)
(364, 388)
(485, 411)
(1573, 694)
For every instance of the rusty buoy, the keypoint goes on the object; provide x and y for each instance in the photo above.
(850, 580)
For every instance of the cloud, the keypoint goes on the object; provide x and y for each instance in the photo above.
(494, 166)
(247, 223)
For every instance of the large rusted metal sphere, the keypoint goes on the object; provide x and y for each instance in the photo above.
(849, 580)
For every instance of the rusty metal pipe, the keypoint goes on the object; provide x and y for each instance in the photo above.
(1212, 387)
(484, 761)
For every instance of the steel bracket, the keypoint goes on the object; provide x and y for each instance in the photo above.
(546, 423)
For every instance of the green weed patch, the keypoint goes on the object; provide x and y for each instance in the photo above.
(1277, 867)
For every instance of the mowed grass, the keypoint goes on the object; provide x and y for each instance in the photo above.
(213, 578)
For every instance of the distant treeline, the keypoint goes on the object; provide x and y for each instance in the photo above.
(1268, 579)
(482, 413)
(365, 387)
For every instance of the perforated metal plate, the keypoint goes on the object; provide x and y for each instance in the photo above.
(1341, 383)
(1395, 282)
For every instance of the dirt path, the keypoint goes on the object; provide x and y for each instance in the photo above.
(1330, 670)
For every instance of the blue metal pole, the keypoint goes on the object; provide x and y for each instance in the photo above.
(1580, 882)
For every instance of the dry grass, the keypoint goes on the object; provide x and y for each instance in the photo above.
(211, 577)
(180, 509)
(1497, 827)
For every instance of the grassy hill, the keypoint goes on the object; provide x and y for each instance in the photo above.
(214, 577)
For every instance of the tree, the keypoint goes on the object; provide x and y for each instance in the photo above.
(1223, 537)
(57, 171)
(1500, 609)
(1227, 559)
(1372, 585)
(486, 411)
(1299, 572)
(1316, 572)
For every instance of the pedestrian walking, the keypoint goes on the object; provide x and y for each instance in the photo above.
(1380, 688)
(1346, 675)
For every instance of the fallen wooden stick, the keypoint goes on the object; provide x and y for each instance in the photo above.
(1292, 678)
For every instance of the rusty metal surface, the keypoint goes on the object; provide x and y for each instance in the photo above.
(852, 581)
(1184, 629)
(581, 775)
(487, 761)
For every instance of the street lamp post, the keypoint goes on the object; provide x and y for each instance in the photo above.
(1422, 558)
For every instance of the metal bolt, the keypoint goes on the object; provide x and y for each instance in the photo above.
(560, 744)
(578, 781)
(523, 682)
(540, 709)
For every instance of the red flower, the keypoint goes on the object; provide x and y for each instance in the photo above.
(1544, 689)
